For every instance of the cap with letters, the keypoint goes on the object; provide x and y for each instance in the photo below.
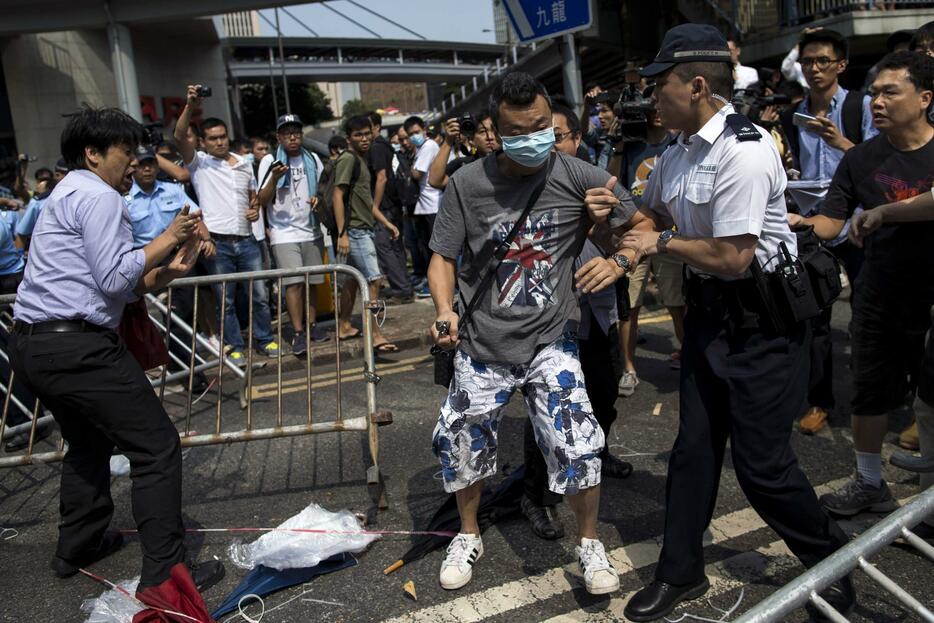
(289, 120)
(689, 43)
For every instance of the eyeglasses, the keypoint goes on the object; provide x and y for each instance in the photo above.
(561, 136)
(291, 134)
(821, 62)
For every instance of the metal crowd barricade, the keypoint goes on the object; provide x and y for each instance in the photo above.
(856, 553)
(164, 317)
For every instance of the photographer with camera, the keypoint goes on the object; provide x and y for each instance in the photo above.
(603, 139)
(226, 189)
(471, 138)
(820, 130)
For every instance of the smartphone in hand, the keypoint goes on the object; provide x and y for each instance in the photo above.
(801, 120)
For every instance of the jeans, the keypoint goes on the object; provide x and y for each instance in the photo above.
(238, 257)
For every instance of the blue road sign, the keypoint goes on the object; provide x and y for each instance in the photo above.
(541, 19)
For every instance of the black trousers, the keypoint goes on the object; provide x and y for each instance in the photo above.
(424, 224)
(746, 385)
(600, 377)
(391, 254)
(102, 400)
(820, 385)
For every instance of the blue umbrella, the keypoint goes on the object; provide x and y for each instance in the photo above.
(264, 581)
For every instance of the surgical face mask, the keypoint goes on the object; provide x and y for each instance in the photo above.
(417, 139)
(396, 147)
(529, 150)
(249, 158)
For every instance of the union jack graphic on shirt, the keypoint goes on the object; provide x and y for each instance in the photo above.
(524, 277)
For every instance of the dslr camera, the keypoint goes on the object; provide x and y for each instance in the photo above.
(204, 91)
(750, 102)
(631, 110)
(467, 124)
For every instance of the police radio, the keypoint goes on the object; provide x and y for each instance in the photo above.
(786, 291)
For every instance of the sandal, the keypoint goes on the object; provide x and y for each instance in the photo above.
(351, 336)
(386, 347)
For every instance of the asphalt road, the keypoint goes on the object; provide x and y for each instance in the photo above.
(520, 578)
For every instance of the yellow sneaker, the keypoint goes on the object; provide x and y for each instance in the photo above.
(270, 350)
(908, 439)
(813, 421)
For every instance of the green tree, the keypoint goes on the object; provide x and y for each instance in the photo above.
(259, 115)
(355, 107)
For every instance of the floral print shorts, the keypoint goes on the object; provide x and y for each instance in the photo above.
(565, 428)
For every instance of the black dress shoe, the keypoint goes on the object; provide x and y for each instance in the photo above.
(206, 574)
(840, 595)
(542, 519)
(111, 542)
(911, 463)
(660, 598)
(614, 467)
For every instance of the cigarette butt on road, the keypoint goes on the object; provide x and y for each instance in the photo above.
(396, 565)
(409, 588)
(657, 410)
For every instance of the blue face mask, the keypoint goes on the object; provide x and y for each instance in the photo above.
(529, 150)
(417, 139)
(396, 147)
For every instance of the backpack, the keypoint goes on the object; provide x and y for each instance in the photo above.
(852, 117)
(324, 208)
(402, 188)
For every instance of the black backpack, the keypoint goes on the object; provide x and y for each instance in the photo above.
(852, 116)
(324, 208)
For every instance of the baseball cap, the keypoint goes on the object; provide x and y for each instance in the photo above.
(288, 120)
(61, 166)
(689, 43)
(145, 152)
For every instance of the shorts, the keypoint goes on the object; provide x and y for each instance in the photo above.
(566, 430)
(362, 254)
(298, 255)
(887, 345)
(669, 277)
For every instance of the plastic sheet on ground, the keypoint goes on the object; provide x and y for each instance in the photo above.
(290, 550)
(113, 606)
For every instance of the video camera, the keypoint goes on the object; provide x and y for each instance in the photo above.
(750, 102)
(631, 110)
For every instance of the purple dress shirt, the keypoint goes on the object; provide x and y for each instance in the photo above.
(81, 259)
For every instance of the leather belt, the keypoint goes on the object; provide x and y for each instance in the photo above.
(57, 326)
(228, 237)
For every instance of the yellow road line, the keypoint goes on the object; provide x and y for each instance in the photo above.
(346, 377)
(301, 380)
(655, 319)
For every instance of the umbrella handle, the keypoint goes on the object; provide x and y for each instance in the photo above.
(393, 567)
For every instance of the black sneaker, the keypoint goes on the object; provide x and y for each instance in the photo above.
(858, 496)
(206, 574)
(111, 542)
(299, 348)
(542, 519)
(614, 467)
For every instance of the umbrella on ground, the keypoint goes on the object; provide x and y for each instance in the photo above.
(264, 581)
(495, 503)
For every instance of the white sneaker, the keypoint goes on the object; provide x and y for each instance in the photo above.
(457, 568)
(599, 575)
(627, 384)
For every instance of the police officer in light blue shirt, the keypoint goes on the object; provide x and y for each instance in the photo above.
(153, 203)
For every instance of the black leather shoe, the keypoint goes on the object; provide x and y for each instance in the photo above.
(614, 467)
(660, 598)
(206, 574)
(840, 595)
(111, 542)
(911, 463)
(542, 519)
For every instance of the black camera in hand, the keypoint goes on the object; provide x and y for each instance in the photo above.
(467, 124)
(750, 102)
(631, 110)
(203, 91)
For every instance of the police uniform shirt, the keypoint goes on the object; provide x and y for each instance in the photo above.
(152, 213)
(712, 185)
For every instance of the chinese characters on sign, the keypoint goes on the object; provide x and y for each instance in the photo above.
(558, 15)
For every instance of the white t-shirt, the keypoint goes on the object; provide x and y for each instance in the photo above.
(429, 197)
(744, 76)
(223, 192)
(289, 212)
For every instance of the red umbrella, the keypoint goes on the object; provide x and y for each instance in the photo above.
(174, 601)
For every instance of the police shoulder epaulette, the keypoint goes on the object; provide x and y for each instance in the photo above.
(743, 128)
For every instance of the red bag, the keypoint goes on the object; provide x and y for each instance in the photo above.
(142, 337)
(177, 594)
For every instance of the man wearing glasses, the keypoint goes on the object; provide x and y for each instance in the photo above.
(841, 119)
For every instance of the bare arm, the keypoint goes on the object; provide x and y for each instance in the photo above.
(181, 264)
(915, 209)
(441, 280)
(171, 169)
(379, 188)
(825, 227)
(184, 120)
(436, 176)
(268, 191)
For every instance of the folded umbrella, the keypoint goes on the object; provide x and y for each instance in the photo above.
(495, 503)
(262, 581)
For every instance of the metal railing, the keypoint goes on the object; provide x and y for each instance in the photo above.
(243, 403)
(794, 12)
(806, 587)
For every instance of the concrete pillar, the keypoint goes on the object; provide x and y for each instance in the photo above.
(121, 54)
(456, 59)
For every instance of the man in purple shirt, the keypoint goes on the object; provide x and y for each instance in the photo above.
(82, 271)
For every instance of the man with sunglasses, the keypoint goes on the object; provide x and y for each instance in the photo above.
(841, 120)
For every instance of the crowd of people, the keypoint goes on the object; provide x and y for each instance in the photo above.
(537, 232)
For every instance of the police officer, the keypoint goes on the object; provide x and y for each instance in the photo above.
(721, 183)
(153, 204)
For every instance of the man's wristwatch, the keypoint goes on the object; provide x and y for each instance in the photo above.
(663, 238)
(622, 261)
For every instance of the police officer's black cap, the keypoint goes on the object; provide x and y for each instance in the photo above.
(145, 152)
(689, 43)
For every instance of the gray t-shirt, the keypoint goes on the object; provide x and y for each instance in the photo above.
(532, 296)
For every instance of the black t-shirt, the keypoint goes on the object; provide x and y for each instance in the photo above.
(379, 158)
(457, 163)
(874, 173)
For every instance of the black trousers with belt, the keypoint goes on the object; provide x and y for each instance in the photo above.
(600, 377)
(745, 384)
(102, 400)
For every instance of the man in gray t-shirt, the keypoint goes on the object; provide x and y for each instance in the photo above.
(522, 333)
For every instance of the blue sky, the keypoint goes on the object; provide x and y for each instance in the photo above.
(438, 20)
